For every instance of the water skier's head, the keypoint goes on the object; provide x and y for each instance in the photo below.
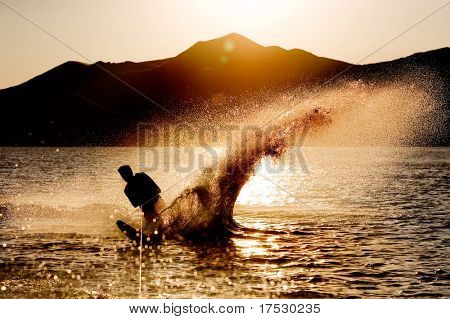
(126, 172)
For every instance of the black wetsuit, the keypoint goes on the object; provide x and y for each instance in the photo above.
(142, 191)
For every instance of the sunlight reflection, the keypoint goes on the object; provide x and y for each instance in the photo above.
(251, 247)
(261, 189)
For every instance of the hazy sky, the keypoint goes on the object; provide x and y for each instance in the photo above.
(139, 30)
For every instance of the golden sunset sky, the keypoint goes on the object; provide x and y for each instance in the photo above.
(141, 30)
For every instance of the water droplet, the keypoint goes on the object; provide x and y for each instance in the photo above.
(3, 288)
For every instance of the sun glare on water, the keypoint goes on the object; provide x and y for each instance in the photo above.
(263, 188)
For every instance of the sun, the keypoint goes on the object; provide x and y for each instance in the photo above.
(244, 14)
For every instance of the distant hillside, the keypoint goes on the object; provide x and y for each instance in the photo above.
(81, 104)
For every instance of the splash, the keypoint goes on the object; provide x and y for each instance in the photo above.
(206, 209)
(354, 113)
(402, 113)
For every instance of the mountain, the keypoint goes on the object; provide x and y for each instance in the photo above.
(100, 103)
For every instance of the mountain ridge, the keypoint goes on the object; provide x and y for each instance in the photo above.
(92, 104)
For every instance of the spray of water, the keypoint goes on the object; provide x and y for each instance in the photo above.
(206, 209)
(355, 112)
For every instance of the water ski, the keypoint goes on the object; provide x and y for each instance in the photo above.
(132, 233)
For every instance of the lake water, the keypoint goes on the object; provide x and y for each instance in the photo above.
(329, 222)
